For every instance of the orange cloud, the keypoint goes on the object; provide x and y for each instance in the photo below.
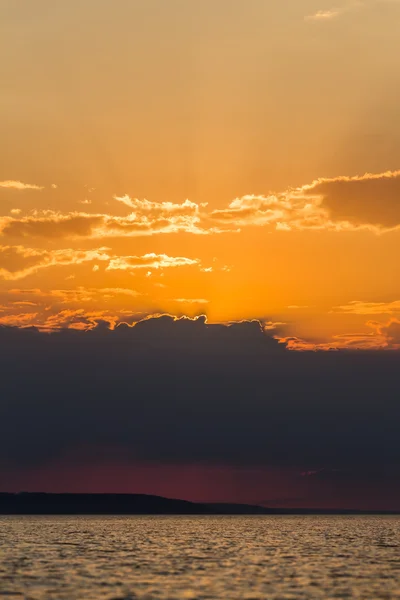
(55, 225)
(384, 336)
(19, 320)
(85, 320)
(390, 330)
(368, 200)
(18, 185)
(78, 319)
(369, 308)
(333, 13)
(150, 261)
(343, 203)
(50, 224)
(191, 300)
(351, 341)
(324, 15)
(19, 262)
(282, 212)
(161, 209)
(271, 325)
(76, 295)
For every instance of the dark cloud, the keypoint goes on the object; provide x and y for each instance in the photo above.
(182, 391)
(369, 199)
(53, 226)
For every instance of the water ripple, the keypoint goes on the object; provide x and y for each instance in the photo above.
(199, 558)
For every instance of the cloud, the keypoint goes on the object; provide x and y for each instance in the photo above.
(19, 262)
(45, 314)
(24, 303)
(271, 325)
(297, 307)
(366, 202)
(27, 292)
(378, 336)
(51, 225)
(284, 212)
(382, 336)
(183, 391)
(362, 202)
(324, 15)
(389, 330)
(348, 341)
(150, 261)
(18, 320)
(333, 13)
(55, 225)
(191, 300)
(338, 11)
(370, 200)
(75, 295)
(161, 209)
(79, 320)
(18, 185)
(357, 307)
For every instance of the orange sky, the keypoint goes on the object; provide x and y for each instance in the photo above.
(238, 159)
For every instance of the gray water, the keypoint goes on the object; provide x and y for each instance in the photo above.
(308, 557)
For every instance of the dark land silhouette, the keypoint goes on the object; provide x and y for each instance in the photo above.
(33, 503)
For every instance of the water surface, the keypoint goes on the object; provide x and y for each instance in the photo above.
(268, 557)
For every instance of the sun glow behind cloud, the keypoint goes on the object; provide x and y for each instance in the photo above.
(205, 191)
(341, 205)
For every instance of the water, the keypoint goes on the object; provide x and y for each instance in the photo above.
(272, 558)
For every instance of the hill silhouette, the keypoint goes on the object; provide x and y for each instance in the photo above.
(32, 503)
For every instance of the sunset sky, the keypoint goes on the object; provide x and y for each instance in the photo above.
(228, 158)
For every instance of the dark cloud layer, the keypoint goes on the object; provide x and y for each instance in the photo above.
(182, 391)
(369, 199)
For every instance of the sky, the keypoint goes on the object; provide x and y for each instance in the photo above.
(202, 164)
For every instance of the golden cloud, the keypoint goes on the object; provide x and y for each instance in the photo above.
(22, 261)
(358, 307)
(55, 225)
(383, 336)
(368, 202)
(74, 295)
(324, 15)
(389, 330)
(82, 319)
(191, 300)
(18, 185)
(19, 261)
(352, 5)
(18, 320)
(78, 319)
(51, 225)
(272, 325)
(150, 261)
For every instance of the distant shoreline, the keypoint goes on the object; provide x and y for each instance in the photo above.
(35, 503)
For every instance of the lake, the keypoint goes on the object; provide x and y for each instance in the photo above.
(268, 557)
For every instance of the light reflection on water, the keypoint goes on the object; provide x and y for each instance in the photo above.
(91, 558)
